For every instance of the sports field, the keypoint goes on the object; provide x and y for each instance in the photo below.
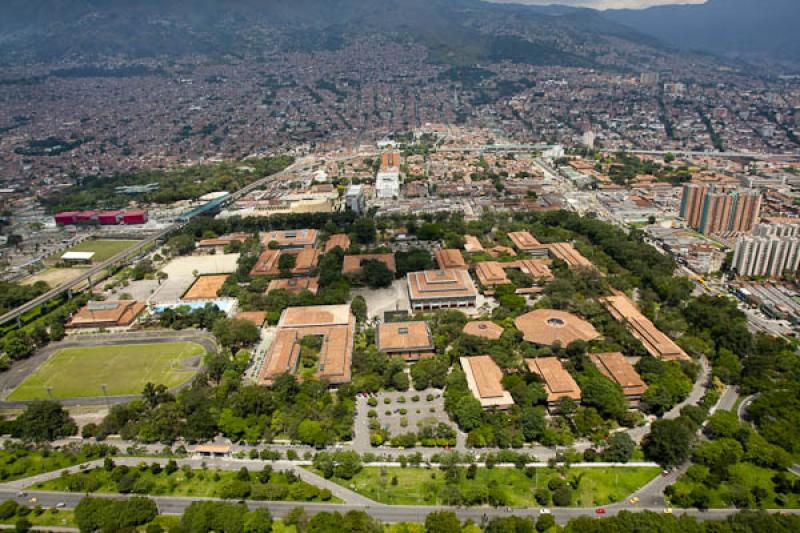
(103, 248)
(124, 369)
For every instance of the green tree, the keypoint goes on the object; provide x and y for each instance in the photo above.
(359, 308)
(236, 333)
(442, 522)
(375, 274)
(44, 421)
(668, 442)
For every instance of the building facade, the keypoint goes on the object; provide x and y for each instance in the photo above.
(772, 251)
(710, 208)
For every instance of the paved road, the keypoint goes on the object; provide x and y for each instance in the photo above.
(132, 251)
(385, 513)
(19, 371)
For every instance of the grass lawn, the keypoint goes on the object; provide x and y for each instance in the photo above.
(124, 369)
(421, 486)
(47, 517)
(22, 463)
(210, 483)
(103, 248)
(744, 477)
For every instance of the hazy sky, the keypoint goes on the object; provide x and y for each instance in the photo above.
(604, 4)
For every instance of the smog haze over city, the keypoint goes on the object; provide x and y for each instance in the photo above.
(391, 266)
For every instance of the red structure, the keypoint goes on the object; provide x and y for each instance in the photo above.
(66, 218)
(138, 216)
(110, 218)
(104, 218)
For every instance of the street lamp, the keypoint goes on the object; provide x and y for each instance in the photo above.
(105, 392)
(50, 392)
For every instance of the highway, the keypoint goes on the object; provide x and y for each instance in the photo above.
(130, 252)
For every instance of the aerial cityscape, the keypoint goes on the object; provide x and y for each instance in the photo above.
(399, 266)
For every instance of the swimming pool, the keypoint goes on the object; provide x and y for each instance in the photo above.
(226, 305)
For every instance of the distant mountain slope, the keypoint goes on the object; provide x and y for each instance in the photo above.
(731, 27)
(457, 31)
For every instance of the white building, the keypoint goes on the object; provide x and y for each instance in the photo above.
(387, 184)
(772, 251)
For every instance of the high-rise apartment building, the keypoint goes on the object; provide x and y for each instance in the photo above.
(773, 250)
(711, 208)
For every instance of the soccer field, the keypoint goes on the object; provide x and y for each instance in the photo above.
(103, 248)
(124, 369)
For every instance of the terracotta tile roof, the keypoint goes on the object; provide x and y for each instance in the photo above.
(295, 285)
(484, 379)
(295, 238)
(256, 317)
(404, 337)
(205, 287)
(306, 259)
(548, 326)
(339, 239)
(450, 258)
(498, 250)
(615, 367)
(524, 241)
(655, 341)
(334, 323)
(438, 284)
(472, 244)
(567, 253)
(538, 269)
(483, 328)
(491, 274)
(109, 313)
(223, 240)
(352, 263)
(557, 381)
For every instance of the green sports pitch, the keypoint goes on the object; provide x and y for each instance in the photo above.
(103, 248)
(123, 369)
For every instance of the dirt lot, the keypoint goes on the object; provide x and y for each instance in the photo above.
(54, 276)
(205, 287)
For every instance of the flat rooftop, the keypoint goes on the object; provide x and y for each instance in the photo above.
(334, 323)
(548, 326)
(656, 342)
(205, 287)
(440, 284)
(484, 379)
(557, 381)
(268, 263)
(615, 367)
(449, 258)
(256, 317)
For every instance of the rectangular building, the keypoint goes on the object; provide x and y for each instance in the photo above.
(106, 314)
(334, 323)
(410, 341)
(485, 381)
(655, 341)
(491, 274)
(567, 253)
(472, 244)
(440, 289)
(711, 208)
(449, 258)
(525, 242)
(339, 239)
(615, 367)
(772, 251)
(558, 383)
(352, 263)
(291, 239)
